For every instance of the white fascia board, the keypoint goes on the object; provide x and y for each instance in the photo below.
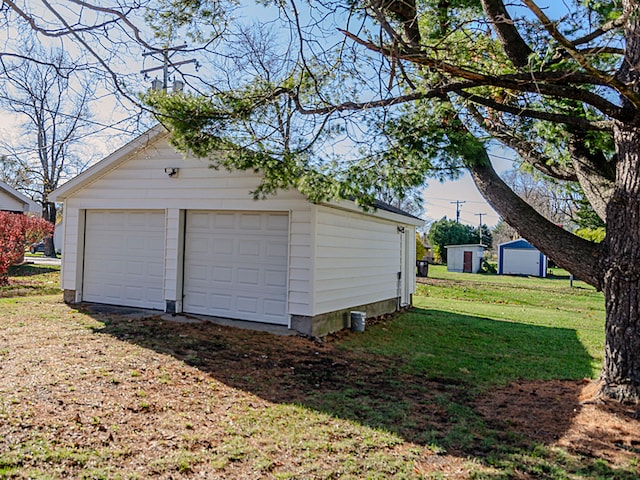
(108, 163)
(351, 206)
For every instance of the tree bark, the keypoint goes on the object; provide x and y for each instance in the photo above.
(595, 174)
(621, 367)
(49, 213)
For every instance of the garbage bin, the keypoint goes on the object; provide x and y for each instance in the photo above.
(358, 321)
(423, 268)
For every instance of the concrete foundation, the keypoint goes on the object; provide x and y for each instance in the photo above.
(326, 323)
(69, 296)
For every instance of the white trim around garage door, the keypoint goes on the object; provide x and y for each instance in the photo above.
(236, 265)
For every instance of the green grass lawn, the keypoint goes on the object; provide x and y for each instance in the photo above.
(487, 330)
(85, 395)
(30, 279)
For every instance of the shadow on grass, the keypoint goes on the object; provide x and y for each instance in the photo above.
(31, 269)
(29, 280)
(390, 392)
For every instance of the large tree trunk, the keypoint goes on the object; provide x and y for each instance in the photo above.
(621, 264)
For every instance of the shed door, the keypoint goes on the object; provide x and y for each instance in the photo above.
(467, 262)
(236, 265)
(124, 258)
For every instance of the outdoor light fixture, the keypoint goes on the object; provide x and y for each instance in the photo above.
(172, 171)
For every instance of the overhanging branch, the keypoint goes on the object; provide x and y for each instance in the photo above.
(537, 114)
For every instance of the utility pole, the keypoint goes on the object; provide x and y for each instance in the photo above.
(458, 203)
(167, 53)
(480, 227)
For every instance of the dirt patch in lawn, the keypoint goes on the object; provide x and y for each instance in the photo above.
(566, 414)
(106, 396)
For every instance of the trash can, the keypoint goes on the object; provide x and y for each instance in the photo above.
(358, 321)
(423, 268)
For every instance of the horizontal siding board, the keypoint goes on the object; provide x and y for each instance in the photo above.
(10, 203)
(357, 260)
(70, 263)
(357, 274)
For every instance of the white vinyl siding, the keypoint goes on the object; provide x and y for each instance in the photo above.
(73, 240)
(236, 265)
(357, 260)
(173, 260)
(124, 258)
(10, 203)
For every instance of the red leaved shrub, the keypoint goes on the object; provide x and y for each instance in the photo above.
(16, 231)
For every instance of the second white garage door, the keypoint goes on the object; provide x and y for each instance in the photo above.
(124, 258)
(236, 265)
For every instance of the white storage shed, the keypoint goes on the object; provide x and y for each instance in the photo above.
(148, 228)
(464, 258)
(519, 257)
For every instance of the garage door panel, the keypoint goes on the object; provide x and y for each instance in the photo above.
(221, 221)
(247, 305)
(243, 274)
(274, 308)
(250, 222)
(223, 246)
(249, 248)
(124, 258)
(277, 222)
(249, 276)
(275, 278)
(275, 249)
(521, 262)
(222, 274)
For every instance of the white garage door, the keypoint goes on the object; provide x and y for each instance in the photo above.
(124, 258)
(236, 265)
(521, 262)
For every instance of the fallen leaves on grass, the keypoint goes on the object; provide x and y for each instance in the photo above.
(86, 395)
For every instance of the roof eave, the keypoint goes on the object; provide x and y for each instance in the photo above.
(352, 206)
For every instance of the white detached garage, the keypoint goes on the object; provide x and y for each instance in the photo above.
(147, 228)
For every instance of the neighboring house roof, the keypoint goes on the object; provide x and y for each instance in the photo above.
(28, 205)
(158, 132)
